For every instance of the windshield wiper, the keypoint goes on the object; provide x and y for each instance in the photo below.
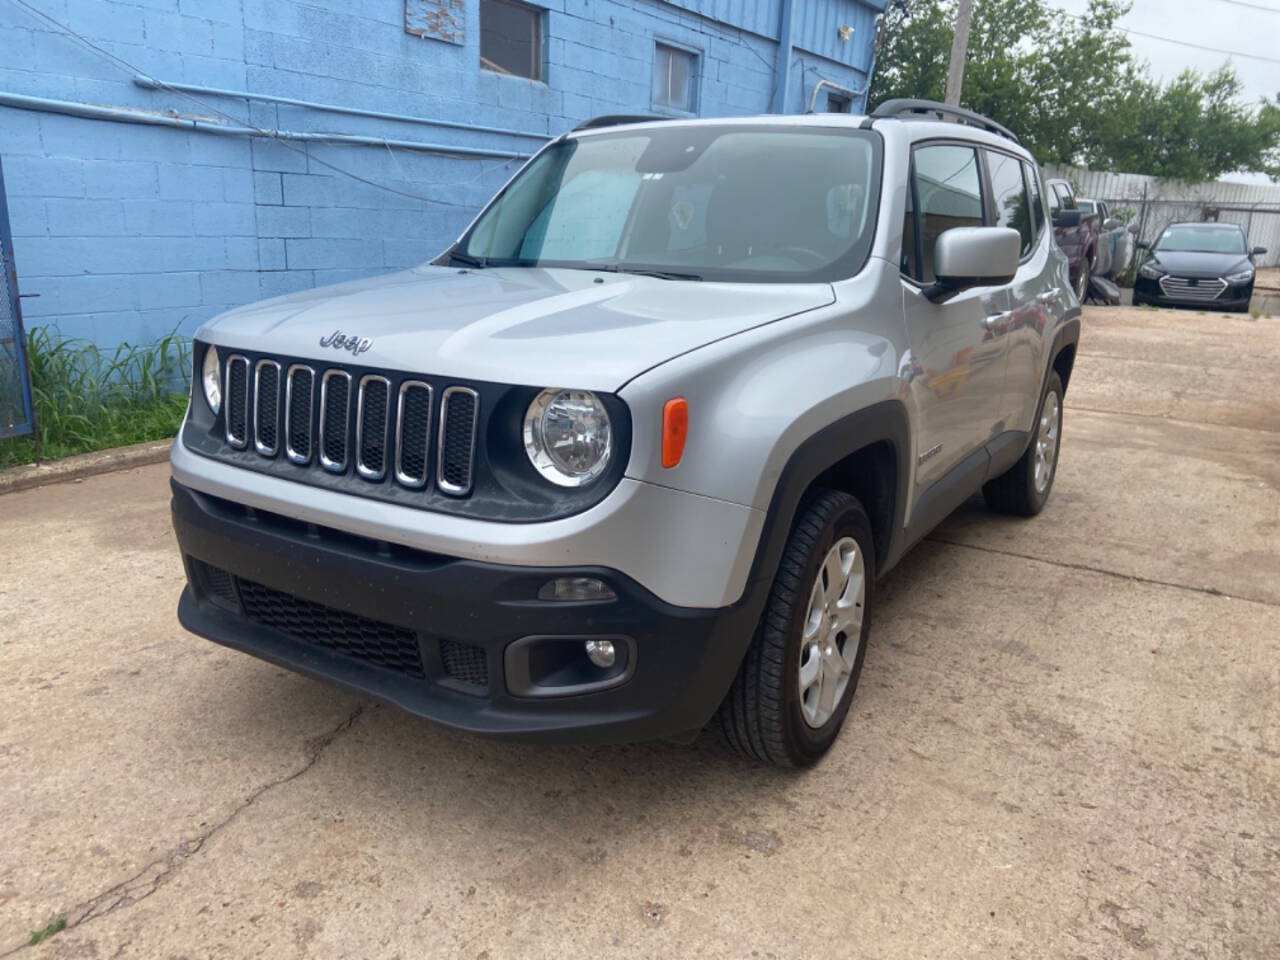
(470, 261)
(639, 271)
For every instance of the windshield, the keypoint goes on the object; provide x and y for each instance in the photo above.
(702, 202)
(1202, 239)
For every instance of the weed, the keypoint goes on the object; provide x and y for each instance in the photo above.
(1214, 592)
(87, 398)
(56, 925)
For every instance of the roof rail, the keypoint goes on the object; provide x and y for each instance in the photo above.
(616, 120)
(902, 108)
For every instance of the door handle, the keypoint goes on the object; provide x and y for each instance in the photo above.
(1049, 296)
(995, 319)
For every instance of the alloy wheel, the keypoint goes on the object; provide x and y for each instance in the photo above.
(832, 631)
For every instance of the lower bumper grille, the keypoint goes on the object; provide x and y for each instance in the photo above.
(361, 638)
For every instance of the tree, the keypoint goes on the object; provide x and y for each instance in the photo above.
(1073, 92)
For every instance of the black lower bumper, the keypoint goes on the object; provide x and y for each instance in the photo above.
(463, 643)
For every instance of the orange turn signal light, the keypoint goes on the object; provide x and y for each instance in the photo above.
(675, 430)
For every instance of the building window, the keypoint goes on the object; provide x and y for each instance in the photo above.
(675, 74)
(511, 38)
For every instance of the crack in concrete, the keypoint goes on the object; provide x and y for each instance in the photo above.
(1137, 578)
(160, 871)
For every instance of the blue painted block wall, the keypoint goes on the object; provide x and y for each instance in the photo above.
(129, 231)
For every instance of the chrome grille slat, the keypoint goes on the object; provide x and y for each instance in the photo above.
(236, 401)
(384, 427)
(335, 418)
(456, 448)
(1205, 289)
(299, 401)
(373, 408)
(413, 433)
(266, 408)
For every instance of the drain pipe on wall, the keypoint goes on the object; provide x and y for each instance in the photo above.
(204, 125)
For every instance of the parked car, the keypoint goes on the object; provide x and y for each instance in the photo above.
(1076, 232)
(1199, 264)
(1116, 242)
(637, 448)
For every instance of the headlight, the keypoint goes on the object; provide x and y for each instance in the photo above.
(212, 379)
(1244, 276)
(567, 436)
(1152, 271)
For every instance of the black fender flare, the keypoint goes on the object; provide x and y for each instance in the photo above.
(883, 422)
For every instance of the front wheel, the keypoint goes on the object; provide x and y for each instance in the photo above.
(793, 689)
(1024, 488)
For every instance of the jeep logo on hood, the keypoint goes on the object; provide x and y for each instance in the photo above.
(341, 341)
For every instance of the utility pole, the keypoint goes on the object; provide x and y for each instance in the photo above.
(959, 50)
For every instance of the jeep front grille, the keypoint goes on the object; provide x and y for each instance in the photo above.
(373, 410)
(458, 408)
(237, 401)
(1179, 288)
(335, 414)
(385, 428)
(266, 408)
(299, 402)
(413, 433)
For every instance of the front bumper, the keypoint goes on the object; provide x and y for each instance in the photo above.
(445, 638)
(1146, 290)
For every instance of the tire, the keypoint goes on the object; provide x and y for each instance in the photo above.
(1019, 490)
(1082, 290)
(766, 716)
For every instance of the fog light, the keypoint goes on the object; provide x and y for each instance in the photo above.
(575, 588)
(601, 653)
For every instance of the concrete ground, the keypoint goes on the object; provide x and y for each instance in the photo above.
(1066, 742)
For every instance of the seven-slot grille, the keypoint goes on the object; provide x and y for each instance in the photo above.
(373, 426)
(237, 401)
(1210, 288)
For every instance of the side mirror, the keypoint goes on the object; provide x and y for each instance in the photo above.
(1067, 218)
(967, 257)
(1133, 228)
(1111, 223)
(1258, 252)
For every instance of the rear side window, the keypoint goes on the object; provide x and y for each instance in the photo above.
(1037, 198)
(948, 193)
(1009, 193)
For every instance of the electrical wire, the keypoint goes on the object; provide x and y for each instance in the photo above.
(1188, 43)
(134, 70)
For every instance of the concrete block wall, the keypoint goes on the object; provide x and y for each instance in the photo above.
(129, 231)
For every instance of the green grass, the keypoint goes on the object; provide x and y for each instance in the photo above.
(56, 925)
(87, 398)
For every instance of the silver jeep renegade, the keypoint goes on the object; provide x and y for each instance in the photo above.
(636, 448)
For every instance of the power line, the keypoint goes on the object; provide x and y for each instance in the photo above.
(1188, 43)
(1251, 6)
(1199, 46)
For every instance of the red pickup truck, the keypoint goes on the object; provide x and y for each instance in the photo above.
(1076, 232)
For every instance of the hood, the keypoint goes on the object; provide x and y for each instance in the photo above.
(552, 327)
(1200, 264)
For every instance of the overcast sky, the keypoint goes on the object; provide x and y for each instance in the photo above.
(1210, 23)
